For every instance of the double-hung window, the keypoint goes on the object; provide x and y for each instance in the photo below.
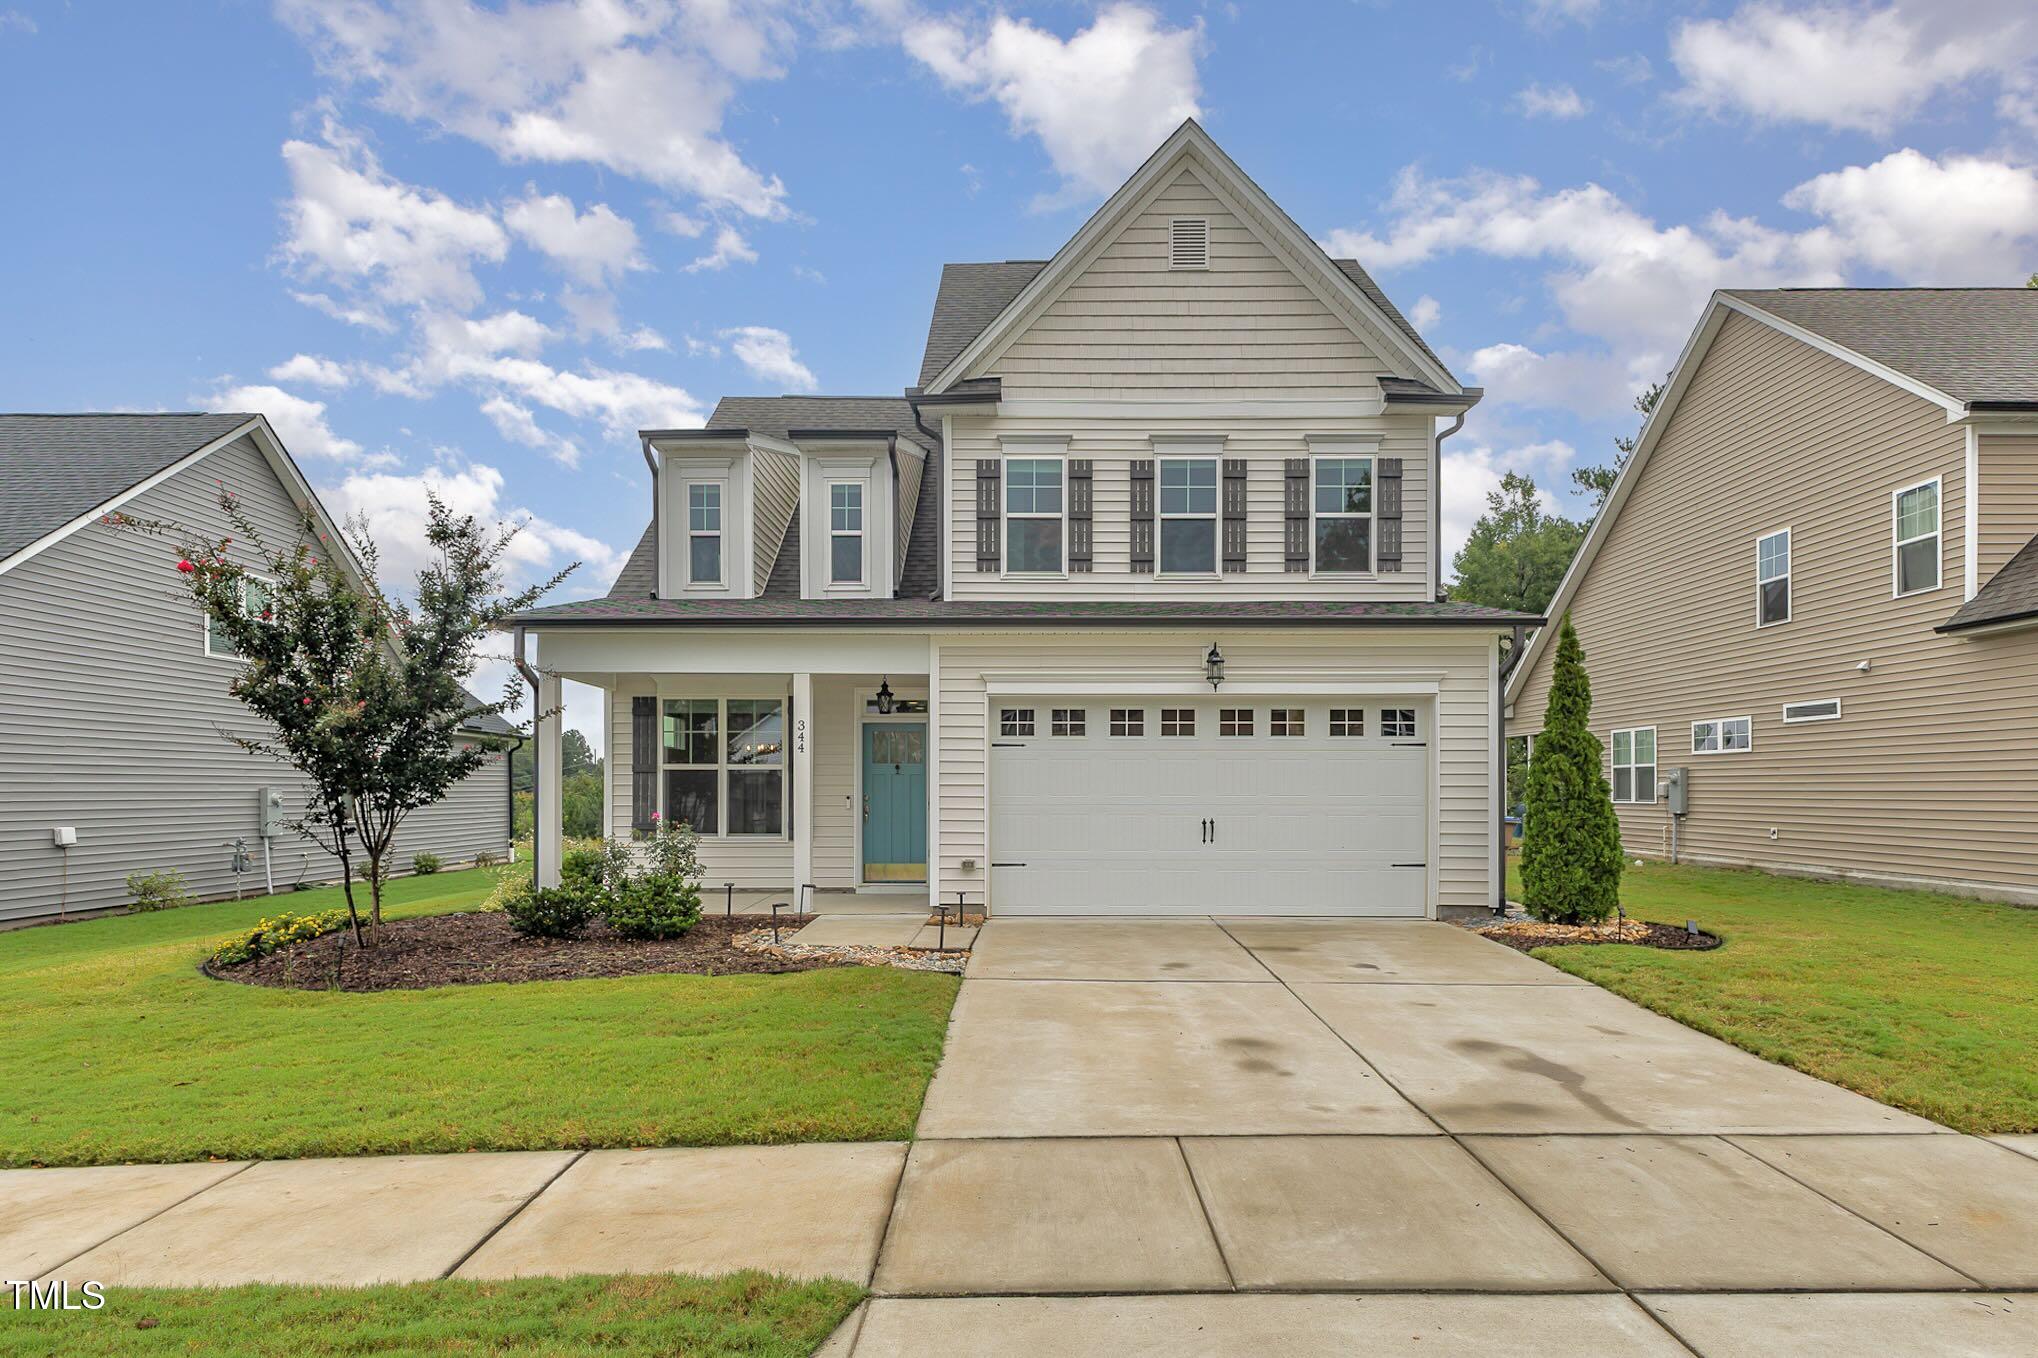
(1914, 513)
(1343, 514)
(725, 754)
(1724, 735)
(704, 533)
(1634, 765)
(756, 747)
(1188, 515)
(845, 533)
(1772, 578)
(258, 602)
(1033, 515)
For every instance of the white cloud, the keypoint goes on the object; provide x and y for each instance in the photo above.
(1592, 384)
(730, 248)
(641, 88)
(517, 424)
(679, 224)
(596, 247)
(1851, 67)
(1099, 101)
(14, 21)
(299, 422)
(1957, 220)
(319, 372)
(367, 317)
(1549, 11)
(1426, 312)
(769, 355)
(1630, 69)
(1560, 102)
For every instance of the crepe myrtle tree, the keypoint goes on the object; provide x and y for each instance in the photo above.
(360, 690)
(1570, 852)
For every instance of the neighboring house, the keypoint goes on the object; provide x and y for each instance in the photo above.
(1130, 605)
(1815, 588)
(113, 692)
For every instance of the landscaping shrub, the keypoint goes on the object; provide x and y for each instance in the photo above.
(656, 905)
(487, 858)
(582, 866)
(549, 912)
(275, 932)
(425, 864)
(1571, 852)
(157, 891)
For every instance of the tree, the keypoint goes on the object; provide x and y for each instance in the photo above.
(1517, 553)
(1571, 852)
(1598, 480)
(362, 692)
(576, 756)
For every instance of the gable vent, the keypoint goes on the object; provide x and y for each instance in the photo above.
(1189, 243)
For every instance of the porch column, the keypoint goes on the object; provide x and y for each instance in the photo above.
(803, 732)
(546, 792)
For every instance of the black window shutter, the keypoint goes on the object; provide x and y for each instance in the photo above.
(643, 763)
(1234, 514)
(1295, 504)
(1142, 517)
(987, 514)
(1079, 516)
(1388, 513)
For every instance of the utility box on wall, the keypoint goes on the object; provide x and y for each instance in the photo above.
(270, 817)
(1677, 791)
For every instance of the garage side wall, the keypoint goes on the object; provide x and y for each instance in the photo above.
(1459, 663)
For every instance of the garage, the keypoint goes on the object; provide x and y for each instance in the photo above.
(1169, 805)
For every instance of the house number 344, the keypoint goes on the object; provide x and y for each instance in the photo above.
(800, 736)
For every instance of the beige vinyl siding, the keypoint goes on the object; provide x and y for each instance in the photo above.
(111, 717)
(1459, 662)
(2008, 499)
(1113, 442)
(910, 470)
(1129, 327)
(1932, 772)
(775, 489)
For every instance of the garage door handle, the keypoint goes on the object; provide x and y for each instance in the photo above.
(1213, 829)
(1408, 865)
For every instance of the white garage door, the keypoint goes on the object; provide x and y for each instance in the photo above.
(1169, 806)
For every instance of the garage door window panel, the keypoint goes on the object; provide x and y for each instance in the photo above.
(1015, 721)
(1286, 721)
(1348, 721)
(1128, 721)
(1178, 721)
(1235, 721)
(1397, 723)
(1069, 721)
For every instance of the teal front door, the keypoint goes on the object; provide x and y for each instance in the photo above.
(895, 801)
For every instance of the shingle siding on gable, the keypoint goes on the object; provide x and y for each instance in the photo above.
(775, 484)
(110, 709)
(1923, 777)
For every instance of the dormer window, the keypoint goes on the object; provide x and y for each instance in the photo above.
(704, 533)
(1189, 243)
(845, 533)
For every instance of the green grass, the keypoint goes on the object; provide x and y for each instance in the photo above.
(745, 1313)
(116, 1048)
(1923, 1001)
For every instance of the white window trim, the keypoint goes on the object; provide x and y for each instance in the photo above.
(862, 580)
(1371, 457)
(1161, 517)
(722, 766)
(1631, 732)
(1006, 516)
(1896, 544)
(1834, 715)
(1789, 585)
(205, 619)
(720, 534)
(1719, 735)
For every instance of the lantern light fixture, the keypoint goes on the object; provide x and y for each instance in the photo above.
(884, 697)
(1213, 667)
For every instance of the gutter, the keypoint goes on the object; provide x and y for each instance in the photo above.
(929, 622)
(537, 781)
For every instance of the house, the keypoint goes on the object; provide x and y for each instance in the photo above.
(1814, 591)
(1129, 604)
(114, 710)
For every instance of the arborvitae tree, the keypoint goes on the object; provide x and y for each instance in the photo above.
(1571, 853)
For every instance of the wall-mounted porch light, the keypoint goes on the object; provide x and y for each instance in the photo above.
(884, 697)
(1213, 667)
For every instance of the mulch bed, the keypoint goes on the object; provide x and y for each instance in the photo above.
(1524, 935)
(479, 947)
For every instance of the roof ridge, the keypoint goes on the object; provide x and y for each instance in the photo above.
(124, 414)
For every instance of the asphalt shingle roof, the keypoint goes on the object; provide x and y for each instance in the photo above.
(1974, 344)
(2010, 594)
(55, 468)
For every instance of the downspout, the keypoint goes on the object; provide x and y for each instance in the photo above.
(509, 760)
(537, 789)
(1505, 667)
(657, 561)
(1436, 500)
(892, 456)
(946, 471)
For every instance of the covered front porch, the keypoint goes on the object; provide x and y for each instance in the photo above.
(800, 762)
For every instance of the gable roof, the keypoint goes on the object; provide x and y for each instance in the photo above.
(2011, 595)
(58, 469)
(1975, 346)
(1189, 143)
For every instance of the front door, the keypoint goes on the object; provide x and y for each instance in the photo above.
(895, 801)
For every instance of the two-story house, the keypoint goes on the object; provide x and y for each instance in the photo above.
(1129, 605)
(1814, 589)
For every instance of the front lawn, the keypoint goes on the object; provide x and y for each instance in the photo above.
(746, 1313)
(1926, 1002)
(116, 1048)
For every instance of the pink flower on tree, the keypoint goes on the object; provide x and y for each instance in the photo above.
(184, 566)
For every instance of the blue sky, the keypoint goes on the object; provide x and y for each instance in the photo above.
(477, 245)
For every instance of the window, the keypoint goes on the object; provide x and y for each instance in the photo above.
(704, 533)
(1634, 765)
(1069, 721)
(692, 763)
(725, 754)
(1234, 721)
(1128, 721)
(1033, 515)
(1178, 721)
(1015, 721)
(756, 766)
(1825, 709)
(1189, 243)
(1348, 721)
(1285, 721)
(845, 533)
(1915, 524)
(1343, 521)
(1188, 515)
(1397, 721)
(1772, 579)
(1728, 735)
(257, 602)
(901, 707)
